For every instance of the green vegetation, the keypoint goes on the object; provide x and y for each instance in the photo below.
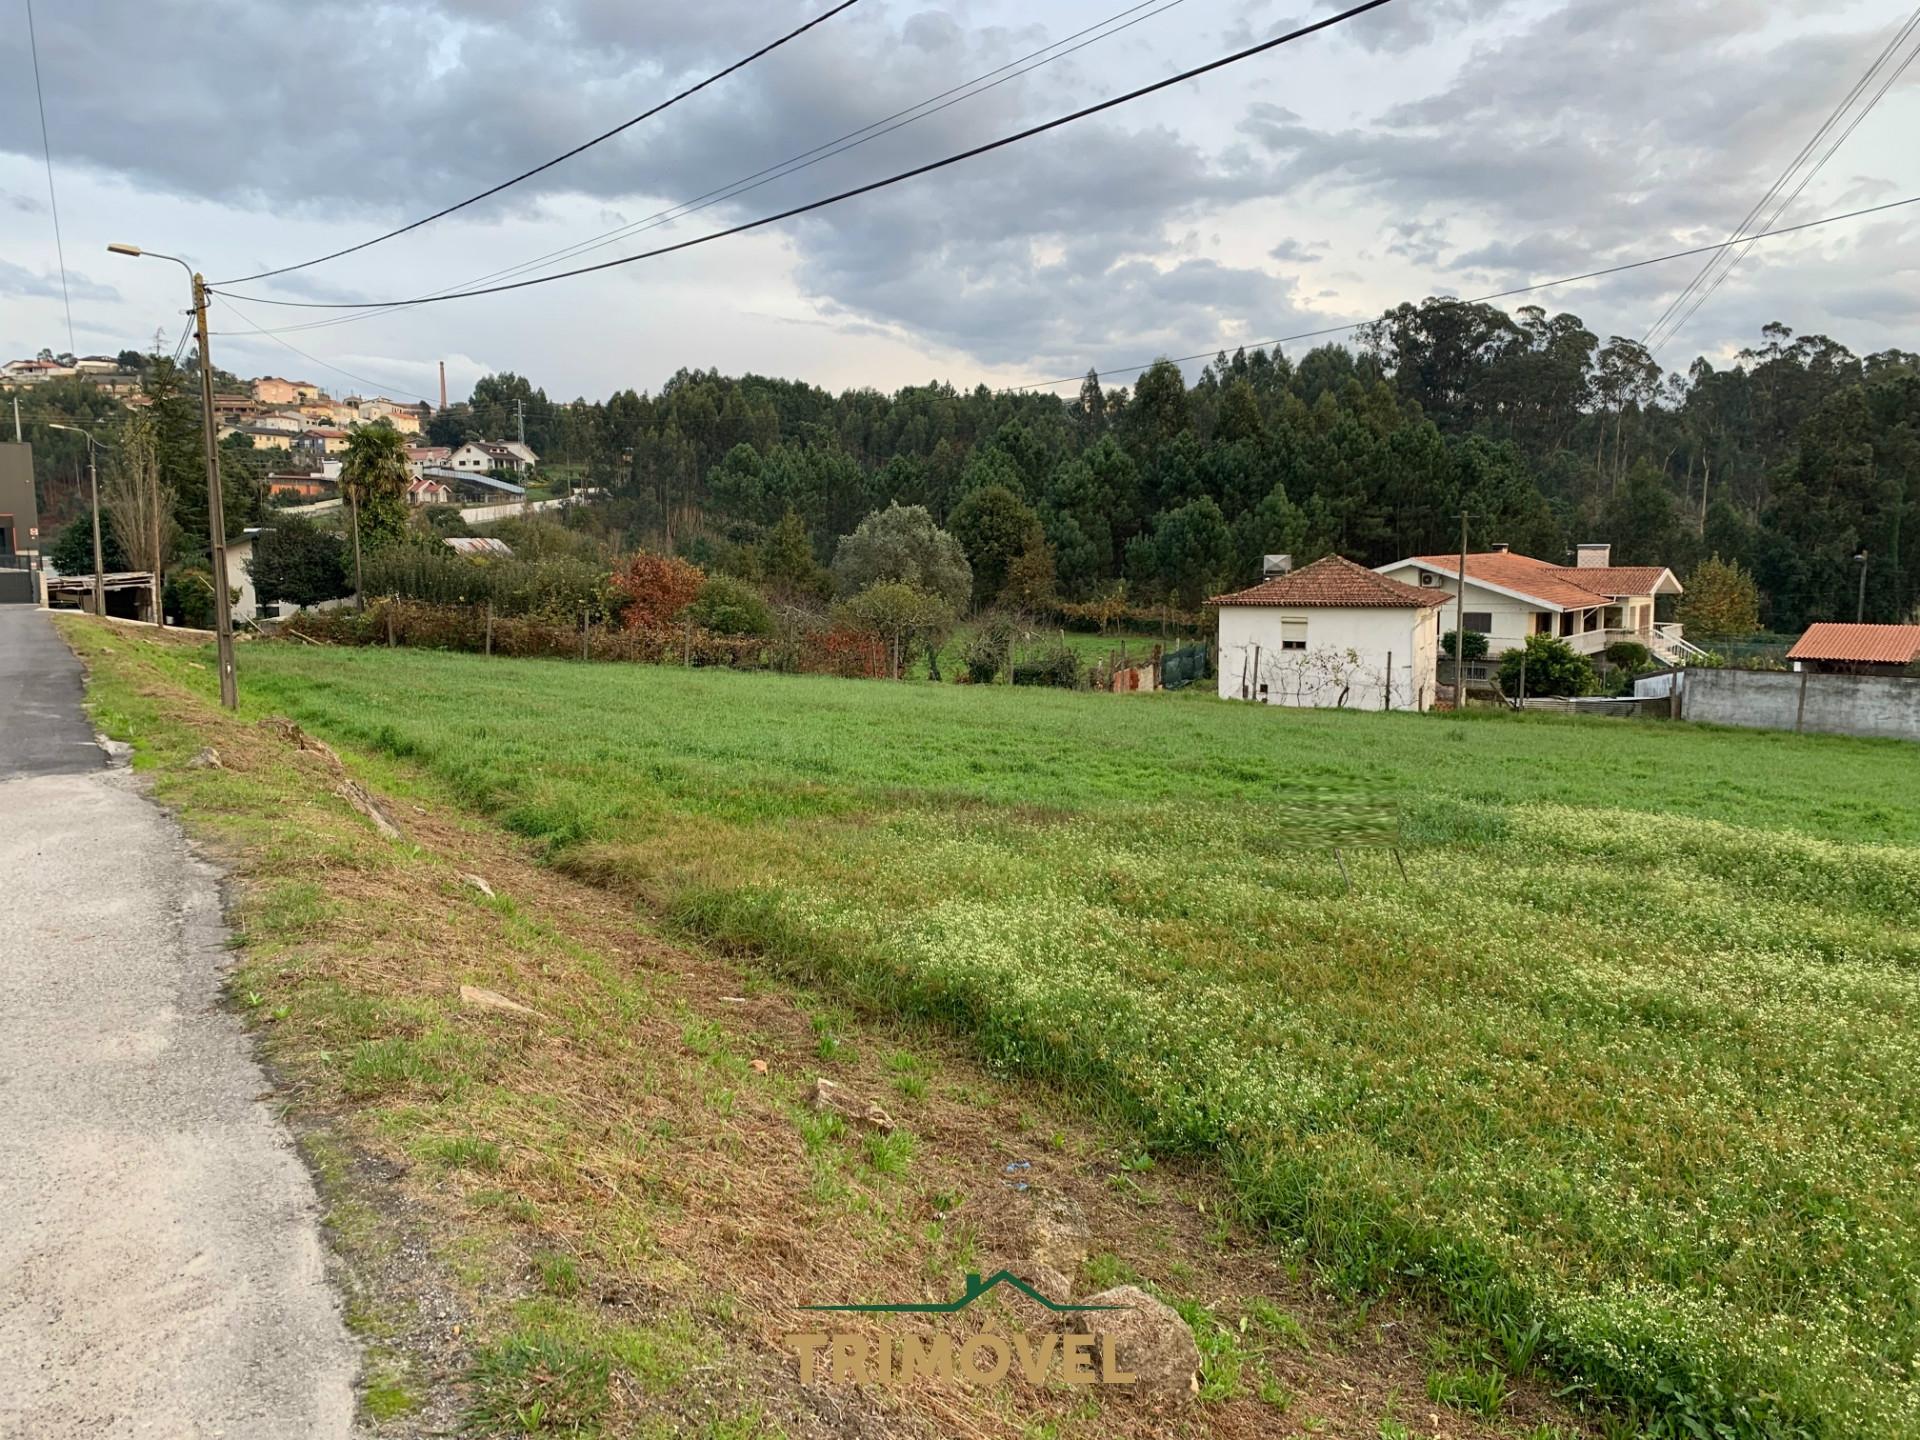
(1622, 1070)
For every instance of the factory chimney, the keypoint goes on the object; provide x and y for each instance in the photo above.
(443, 384)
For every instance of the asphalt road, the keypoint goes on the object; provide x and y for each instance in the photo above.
(161, 1266)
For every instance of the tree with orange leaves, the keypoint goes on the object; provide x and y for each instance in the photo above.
(657, 588)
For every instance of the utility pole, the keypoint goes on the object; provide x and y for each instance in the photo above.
(1460, 625)
(216, 508)
(353, 509)
(99, 563)
(93, 484)
(520, 418)
(1860, 610)
(16, 419)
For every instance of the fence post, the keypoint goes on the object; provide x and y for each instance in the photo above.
(1386, 698)
(390, 640)
(489, 627)
(585, 623)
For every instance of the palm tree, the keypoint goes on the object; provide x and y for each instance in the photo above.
(374, 477)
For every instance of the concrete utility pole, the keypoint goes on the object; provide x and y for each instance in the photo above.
(216, 507)
(1460, 624)
(1860, 610)
(520, 419)
(93, 484)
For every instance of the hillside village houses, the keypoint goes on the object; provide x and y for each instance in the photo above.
(272, 390)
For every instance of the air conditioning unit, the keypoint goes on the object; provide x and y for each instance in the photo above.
(1429, 579)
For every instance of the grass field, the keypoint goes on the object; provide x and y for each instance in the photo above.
(1624, 1070)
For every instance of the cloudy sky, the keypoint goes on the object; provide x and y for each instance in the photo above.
(1432, 147)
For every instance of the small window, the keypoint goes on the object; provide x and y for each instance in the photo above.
(1293, 634)
(1479, 622)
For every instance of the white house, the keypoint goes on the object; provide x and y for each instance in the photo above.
(477, 457)
(1590, 604)
(1335, 635)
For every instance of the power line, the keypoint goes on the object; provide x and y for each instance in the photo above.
(1496, 295)
(316, 360)
(568, 155)
(852, 140)
(46, 146)
(821, 204)
(1703, 286)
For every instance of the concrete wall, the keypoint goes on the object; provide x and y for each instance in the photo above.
(1347, 649)
(1878, 705)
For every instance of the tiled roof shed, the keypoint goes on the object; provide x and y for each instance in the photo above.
(1335, 583)
(1858, 644)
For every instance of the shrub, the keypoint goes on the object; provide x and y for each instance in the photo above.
(188, 597)
(1628, 655)
(987, 651)
(1059, 667)
(557, 588)
(656, 588)
(727, 606)
(1476, 646)
(906, 621)
(1553, 668)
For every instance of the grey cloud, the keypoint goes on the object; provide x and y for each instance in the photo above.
(17, 280)
(1296, 252)
(24, 204)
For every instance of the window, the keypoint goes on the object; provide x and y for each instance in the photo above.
(1543, 623)
(1293, 634)
(1480, 622)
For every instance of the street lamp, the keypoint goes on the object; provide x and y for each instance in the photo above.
(93, 484)
(216, 509)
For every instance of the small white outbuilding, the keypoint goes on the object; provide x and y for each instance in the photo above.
(1334, 634)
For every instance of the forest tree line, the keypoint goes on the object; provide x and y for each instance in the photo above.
(1791, 462)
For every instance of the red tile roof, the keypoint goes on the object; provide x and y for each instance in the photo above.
(1334, 582)
(1572, 587)
(1860, 644)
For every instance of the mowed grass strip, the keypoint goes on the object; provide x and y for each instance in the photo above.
(1624, 1065)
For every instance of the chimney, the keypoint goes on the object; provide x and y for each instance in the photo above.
(443, 384)
(1501, 547)
(1593, 556)
(1273, 565)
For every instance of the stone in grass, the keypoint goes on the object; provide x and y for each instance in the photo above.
(476, 998)
(1150, 1341)
(1055, 1234)
(474, 882)
(361, 799)
(842, 1101)
(207, 759)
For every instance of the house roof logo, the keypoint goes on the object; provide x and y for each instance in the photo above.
(976, 1287)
